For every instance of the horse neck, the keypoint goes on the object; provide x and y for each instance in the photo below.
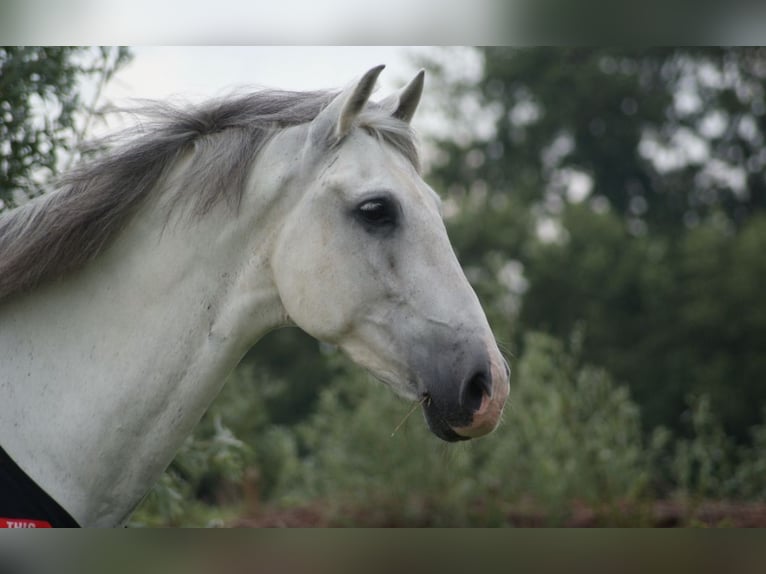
(105, 372)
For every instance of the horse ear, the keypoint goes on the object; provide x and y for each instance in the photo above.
(355, 101)
(409, 98)
(338, 117)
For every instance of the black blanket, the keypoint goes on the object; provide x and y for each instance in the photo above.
(23, 504)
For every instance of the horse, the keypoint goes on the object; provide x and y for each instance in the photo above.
(130, 292)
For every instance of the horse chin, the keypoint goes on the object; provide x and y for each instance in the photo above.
(441, 428)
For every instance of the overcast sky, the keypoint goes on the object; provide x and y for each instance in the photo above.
(195, 72)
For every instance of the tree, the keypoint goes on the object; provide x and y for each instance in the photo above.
(625, 189)
(44, 113)
(666, 137)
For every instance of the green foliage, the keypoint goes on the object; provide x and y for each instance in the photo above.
(655, 258)
(702, 463)
(570, 434)
(608, 113)
(296, 371)
(208, 470)
(43, 111)
(356, 457)
(706, 462)
(747, 481)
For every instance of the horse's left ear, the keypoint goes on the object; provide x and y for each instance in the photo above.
(409, 98)
(356, 100)
(337, 119)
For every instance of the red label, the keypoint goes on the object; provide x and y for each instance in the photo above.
(23, 523)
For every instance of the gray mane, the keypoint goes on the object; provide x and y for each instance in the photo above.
(60, 232)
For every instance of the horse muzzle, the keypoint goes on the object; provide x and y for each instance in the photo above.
(471, 405)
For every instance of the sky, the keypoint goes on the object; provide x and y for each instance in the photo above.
(198, 72)
(195, 73)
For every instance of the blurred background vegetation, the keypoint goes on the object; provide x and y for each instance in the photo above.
(608, 207)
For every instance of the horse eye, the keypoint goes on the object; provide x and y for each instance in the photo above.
(378, 212)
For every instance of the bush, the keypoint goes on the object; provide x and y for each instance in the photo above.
(707, 463)
(570, 435)
(358, 459)
(211, 463)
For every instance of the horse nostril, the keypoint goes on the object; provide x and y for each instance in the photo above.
(473, 390)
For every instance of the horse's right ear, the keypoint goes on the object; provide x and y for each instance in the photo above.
(337, 119)
(409, 98)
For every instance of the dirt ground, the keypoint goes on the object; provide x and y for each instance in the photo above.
(661, 513)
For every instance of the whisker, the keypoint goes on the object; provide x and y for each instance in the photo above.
(426, 396)
(505, 349)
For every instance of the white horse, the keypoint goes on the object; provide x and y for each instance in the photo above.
(128, 295)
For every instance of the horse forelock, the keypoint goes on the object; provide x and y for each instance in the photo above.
(60, 232)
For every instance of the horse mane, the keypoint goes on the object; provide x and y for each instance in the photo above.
(60, 232)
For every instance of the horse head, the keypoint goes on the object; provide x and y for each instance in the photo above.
(363, 262)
